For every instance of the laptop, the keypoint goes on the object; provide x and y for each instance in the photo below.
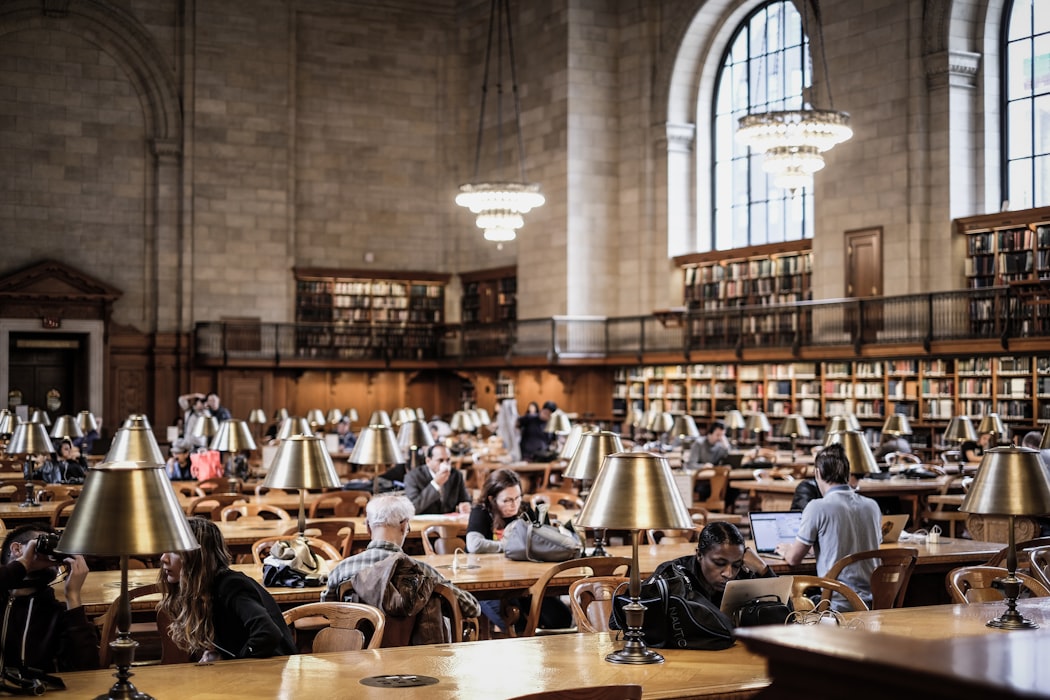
(770, 528)
(739, 592)
(892, 526)
(733, 460)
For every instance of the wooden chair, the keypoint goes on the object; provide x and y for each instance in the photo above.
(1040, 565)
(62, 512)
(1021, 547)
(598, 692)
(169, 652)
(719, 480)
(464, 629)
(253, 512)
(591, 601)
(320, 548)
(188, 490)
(446, 541)
(61, 492)
(973, 584)
(597, 566)
(344, 504)
(889, 580)
(669, 537)
(557, 498)
(944, 509)
(261, 490)
(338, 533)
(802, 584)
(212, 504)
(339, 626)
(699, 515)
(231, 485)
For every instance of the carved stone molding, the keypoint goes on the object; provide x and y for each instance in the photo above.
(680, 137)
(53, 289)
(951, 69)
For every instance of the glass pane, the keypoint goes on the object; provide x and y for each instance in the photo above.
(775, 220)
(723, 237)
(1041, 128)
(1042, 181)
(758, 223)
(774, 27)
(724, 99)
(740, 94)
(739, 50)
(1041, 66)
(1041, 20)
(740, 193)
(809, 213)
(758, 179)
(1021, 19)
(758, 84)
(739, 228)
(1019, 129)
(757, 32)
(792, 26)
(1018, 70)
(1020, 192)
(774, 79)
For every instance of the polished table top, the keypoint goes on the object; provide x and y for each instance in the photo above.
(493, 670)
(873, 487)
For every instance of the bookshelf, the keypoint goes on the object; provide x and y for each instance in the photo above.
(368, 314)
(489, 296)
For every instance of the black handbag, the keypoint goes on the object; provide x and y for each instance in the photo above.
(763, 610)
(676, 616)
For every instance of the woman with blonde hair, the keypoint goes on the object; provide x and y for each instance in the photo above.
(217, 613)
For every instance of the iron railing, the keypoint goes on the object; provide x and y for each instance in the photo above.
(995, 313)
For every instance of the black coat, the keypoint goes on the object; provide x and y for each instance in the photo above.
(247, 621)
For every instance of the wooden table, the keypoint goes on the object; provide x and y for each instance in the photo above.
(11, 512)
(940, 652)
(494, 670)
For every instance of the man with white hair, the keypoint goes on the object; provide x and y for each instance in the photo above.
(387, 518)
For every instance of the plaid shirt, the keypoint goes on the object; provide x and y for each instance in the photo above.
(377, 552)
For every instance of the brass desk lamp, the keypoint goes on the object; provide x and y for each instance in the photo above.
(29, 439)
(376, 447)
(585, 465)
(302, 462)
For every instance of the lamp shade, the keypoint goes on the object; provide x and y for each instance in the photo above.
(837, 424)
(414, 434)
(376, 444)
(572, 442)
(206, 426)
(858, 452)
(333, 416)
(734, 420)
(86, 421)
(1044, 444)
(991, 423)
(482, 414)
(126, 508)
(794, 426)
(380, 418)
(40, 416)
(234, 435)
(960, 429)
(662, 423)
(684, 427)
(66, 427)
(637, 418)
(758, 423)
(635, 491)
(8, 422)
(462, 422)
(302, 462)
(29, 439)
(295, 425)
(1011, 481)
(896, 424)
(475, 417)
(138, 445)
(590, 453)
(352, 412)
(315, 416)
(558, 423)
(257, 415)
(281, 414)
(137, 420)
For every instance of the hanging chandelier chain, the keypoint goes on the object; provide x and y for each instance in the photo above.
(820, 39)
(514, 92)
(484, 94)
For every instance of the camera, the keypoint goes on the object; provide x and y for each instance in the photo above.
(46, 543)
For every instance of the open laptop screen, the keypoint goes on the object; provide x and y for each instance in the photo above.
(770, 528)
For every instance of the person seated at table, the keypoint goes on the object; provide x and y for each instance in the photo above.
(39, 632)
(710, 450)
(840, 523)
(721, 556)
(346, 436)
(971, 451)
(387, 517)
(1032, 439)
(436, 487)
(68, 467)
(217, 613)
(501, 502)
(178, 465)
(891, 444)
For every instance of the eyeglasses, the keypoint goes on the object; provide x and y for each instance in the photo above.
(508, 501)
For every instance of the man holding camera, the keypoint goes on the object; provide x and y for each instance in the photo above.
(40, 634)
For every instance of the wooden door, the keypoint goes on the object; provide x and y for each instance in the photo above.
(864, 263)
(42, 363)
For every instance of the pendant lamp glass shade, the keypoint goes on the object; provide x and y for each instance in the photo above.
(234, 435)
(66, 427)
(296, 425)
(380, 418)
(136, 444)
(896, 424)
(858, 452)
(590, 453)
(29, 439)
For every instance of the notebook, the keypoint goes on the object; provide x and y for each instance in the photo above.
(739, 592)
(892, 526)
(770, 528)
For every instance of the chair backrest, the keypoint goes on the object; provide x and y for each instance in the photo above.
(591, 600)
(261, 548)
(973, 584)
(344, 630)
(801, 584)
(557, 498)
(894, 458)
(446, 539)
(600, 692)
(1021, 548)
(719, 484)
(464, 629)
(699, 515)
(61, 492)
(344, 504)
(597, 566)
(951, 457)
(169, 652)
(217, 485)
(62, 512)
(669, 537)
(337, 532)
(253, 511)
(1040, 565)
(889, 580)
(212, 504)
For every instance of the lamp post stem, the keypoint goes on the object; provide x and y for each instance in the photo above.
(302, 513)
(1012, 619)
(634, 649)
(124, 646)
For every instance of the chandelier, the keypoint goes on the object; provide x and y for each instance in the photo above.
(498, 205)
(793, 141)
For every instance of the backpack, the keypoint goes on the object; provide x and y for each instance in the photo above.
(206, 465)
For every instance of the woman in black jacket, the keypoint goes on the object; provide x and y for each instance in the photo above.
(217, 613)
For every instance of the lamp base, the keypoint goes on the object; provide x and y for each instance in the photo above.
(124, 689)
(630, 655)
(1012, 620)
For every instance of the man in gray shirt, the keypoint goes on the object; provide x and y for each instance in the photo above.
(710, 449)
(841, 523)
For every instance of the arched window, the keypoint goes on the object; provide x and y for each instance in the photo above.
(765, 68)
(1026, 103)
